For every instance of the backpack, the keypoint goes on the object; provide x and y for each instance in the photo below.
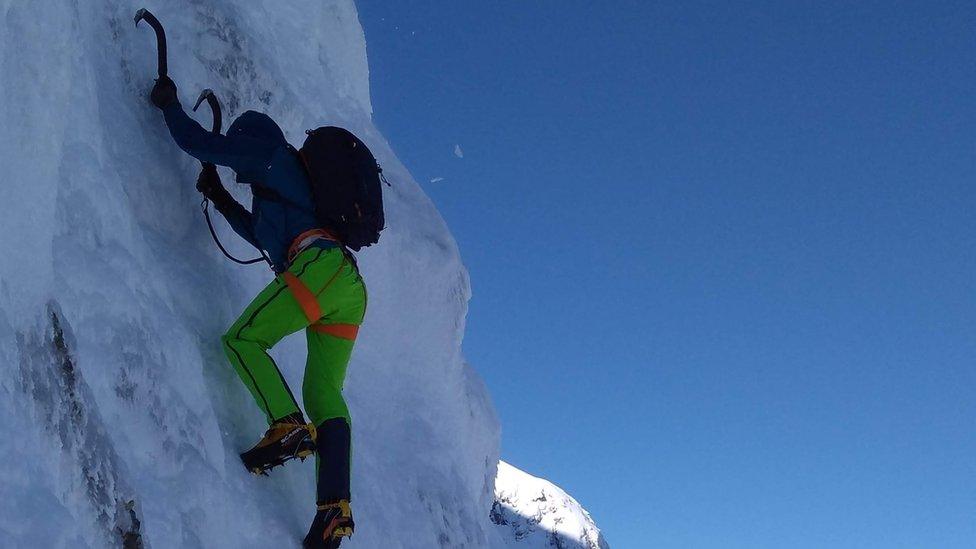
(346, 190)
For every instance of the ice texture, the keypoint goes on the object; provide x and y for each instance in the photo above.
(122, 421)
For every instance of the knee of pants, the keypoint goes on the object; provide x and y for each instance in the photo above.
(226, 341)
(325, 404)
(234, 335)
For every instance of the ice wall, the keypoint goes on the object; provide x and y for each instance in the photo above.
(121, 420)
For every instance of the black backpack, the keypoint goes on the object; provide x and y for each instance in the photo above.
(346, 189)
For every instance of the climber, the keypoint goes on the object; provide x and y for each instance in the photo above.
(317, 285)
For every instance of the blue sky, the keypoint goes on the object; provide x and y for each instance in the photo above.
(722, 255)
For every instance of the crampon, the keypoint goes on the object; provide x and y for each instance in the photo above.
(332, 522)
(286, 439)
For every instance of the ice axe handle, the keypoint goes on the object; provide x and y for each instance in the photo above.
(160, 36)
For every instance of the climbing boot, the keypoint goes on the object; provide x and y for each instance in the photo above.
(332, 522)
(287, 438)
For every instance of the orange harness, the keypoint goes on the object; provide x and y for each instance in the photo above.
(304, 240)
(307, 300)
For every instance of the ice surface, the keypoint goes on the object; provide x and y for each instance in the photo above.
(122, 420)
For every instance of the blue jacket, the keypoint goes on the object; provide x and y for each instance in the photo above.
(256, 149)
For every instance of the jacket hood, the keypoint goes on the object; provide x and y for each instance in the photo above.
(258, 126)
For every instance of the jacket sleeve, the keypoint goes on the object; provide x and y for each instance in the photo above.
(241, 221)
(242, 154)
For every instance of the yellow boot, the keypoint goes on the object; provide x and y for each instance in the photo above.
(287, 438)
(332, 522)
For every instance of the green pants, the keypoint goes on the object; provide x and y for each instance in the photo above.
(330, 286)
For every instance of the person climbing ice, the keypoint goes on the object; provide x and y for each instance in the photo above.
(311, 206)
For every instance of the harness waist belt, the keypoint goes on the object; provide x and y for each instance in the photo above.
(304, 240)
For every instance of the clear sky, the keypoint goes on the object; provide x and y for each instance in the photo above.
(723, 254)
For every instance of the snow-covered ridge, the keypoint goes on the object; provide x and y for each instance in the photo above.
(121, 419)
(536, 514)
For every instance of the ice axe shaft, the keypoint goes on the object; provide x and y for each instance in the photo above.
(146, 15)
(211, 98)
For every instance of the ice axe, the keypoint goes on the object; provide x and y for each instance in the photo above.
(211, 99)
(160, 36)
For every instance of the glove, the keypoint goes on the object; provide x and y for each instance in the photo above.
(163, 93)
(209, 185)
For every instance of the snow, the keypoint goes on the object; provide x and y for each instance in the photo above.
(122, 420)
(536, 514)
